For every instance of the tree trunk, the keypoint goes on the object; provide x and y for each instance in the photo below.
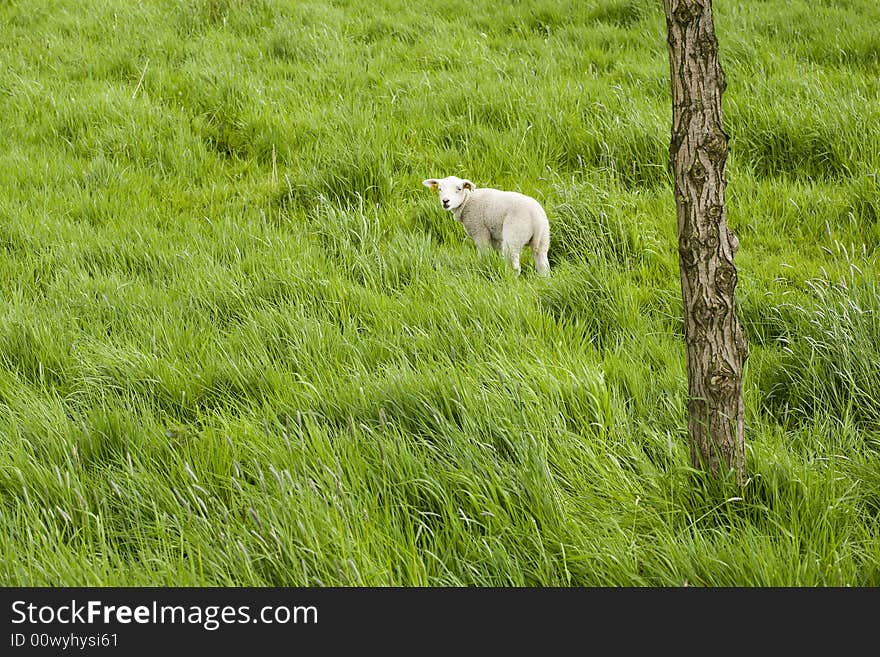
(714, 342)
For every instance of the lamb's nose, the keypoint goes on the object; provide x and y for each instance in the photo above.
(445, 203)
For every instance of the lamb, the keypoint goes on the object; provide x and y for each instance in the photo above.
(506, 221)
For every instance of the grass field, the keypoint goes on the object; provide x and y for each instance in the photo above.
(240, 344)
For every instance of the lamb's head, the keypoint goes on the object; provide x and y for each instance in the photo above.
(452, 191)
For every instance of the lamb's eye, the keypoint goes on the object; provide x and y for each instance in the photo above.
(458, 189)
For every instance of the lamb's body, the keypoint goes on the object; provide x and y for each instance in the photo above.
(505, 221)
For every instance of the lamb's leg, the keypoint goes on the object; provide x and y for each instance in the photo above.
(511, 254)
(542, 263)
(483, 240)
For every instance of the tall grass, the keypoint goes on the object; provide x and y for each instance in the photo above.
(240, 344)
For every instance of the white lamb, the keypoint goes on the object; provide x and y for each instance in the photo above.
(506, 221)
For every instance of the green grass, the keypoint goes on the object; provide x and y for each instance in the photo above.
(240, 344)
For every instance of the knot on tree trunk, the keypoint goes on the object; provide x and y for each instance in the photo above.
(715, 143)
(701, 313)
(697, 171)
(698, 176)
(687, 10)
(713, 214)
(720, 380)
(725, 279)
(710, 243)
(734, 241)
(688, 248)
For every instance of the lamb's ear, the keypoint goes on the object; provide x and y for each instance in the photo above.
(467, 184)
(432, 183)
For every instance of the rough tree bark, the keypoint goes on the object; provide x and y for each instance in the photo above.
(714, 342)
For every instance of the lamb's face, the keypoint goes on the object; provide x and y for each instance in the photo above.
(452, 191)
